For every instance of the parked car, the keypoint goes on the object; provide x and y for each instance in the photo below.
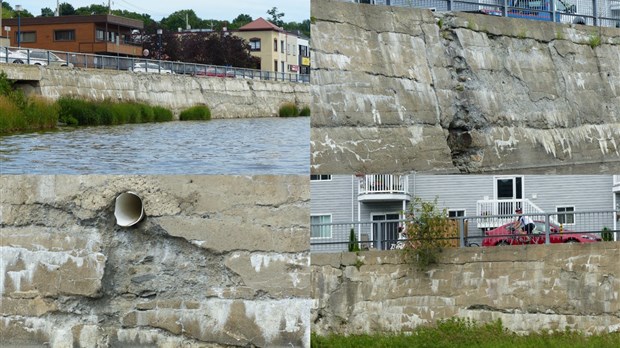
(44, 58)
(9, 56)
(506, 235)
(216, 72)
(150, 68)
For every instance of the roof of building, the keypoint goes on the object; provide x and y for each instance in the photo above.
(260, 24)
(110, 19)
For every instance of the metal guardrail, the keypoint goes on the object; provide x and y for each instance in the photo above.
(463, 232)
(94, 61)
(605, 13)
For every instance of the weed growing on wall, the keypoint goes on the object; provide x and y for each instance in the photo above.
(353, 244)
(427, 231)
(595, 41)
(196, 113)
(288, 110)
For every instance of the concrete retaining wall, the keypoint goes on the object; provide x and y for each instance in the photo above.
(227, 97)
(218, 260)
(398, 89)
(529, 288)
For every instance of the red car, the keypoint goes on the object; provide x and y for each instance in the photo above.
(506, 235)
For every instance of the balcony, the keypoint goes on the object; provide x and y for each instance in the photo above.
(383, 188)
(494, 207)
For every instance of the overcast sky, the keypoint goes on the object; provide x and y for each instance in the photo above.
(294, 10)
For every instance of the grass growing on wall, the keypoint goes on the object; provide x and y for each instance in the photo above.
(461, 332)
(196, 113)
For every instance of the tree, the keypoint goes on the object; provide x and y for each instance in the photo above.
(303, 27)
(217, 48)
(47, 12)
(66, 9)
(177, 20)
(276, 17)
(240, 21)
(91, 10)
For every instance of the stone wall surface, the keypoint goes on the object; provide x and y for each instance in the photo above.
(217, 261)
(530, 288)
(226, 97)
(398, 89)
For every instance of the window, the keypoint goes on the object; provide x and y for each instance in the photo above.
(275, 45)
(453, 213)
(99, 34)
(565, 215)
(64, 35)
(320, 177)
(282, 46)
(255, 44)
(318, 231)
(27, 36)
(275, 65)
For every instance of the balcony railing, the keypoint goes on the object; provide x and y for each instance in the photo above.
(384, 183)
(495, 207)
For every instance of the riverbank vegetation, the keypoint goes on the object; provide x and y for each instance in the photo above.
(80, 112)
(196, 113)
(461, 332)
(291, 110)
(19, 113)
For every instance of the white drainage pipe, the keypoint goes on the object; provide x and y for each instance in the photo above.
(128, 209)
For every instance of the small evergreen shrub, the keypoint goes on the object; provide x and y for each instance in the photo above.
(353, 244)
(289, 110)
(198, 112)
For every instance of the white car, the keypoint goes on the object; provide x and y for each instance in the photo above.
(44, 58)
(150, 68)
(8, 56)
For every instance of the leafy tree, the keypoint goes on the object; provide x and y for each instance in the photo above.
(66, 9)
(303, 27)
(276, 17)
(240, 21)
(91, 10)
(218, 48)
(177, 20)
(47, 12)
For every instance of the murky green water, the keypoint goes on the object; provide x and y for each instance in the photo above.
(238, 146)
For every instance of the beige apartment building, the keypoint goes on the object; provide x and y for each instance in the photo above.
(277, 49)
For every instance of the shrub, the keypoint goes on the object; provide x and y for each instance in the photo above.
(162, 114)
(353, 244)
(198, 112)
(289, 110)
(305, 111)
(607, 235)
(427, 233)
(79, 110)
(40, 113)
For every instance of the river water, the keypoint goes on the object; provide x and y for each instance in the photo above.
(236, 146)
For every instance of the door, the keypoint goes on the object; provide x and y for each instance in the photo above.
(384, 231)
(509, 193)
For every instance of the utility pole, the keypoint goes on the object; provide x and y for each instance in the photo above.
(109, 7)
(57, 8)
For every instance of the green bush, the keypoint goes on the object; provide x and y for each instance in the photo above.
(198, 112)
(40, 114)
(11, 117)
(607, 235)
(162, 114)
(289, 110)
(353, 244)
(305, 111)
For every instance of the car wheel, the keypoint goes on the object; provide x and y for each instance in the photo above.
(572, 241)
(18, 61)
(502, 243)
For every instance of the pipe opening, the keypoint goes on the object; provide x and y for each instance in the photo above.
(128, 209)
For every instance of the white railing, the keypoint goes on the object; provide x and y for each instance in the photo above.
(504, 207)
(384, 183)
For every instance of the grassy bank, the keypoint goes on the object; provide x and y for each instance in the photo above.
(458, 332)
(19, 113)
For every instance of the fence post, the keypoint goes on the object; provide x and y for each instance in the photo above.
(505, 8)
(595, 11)
(450, 5)
(547, 228)
(552, 4)
(462, 232)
